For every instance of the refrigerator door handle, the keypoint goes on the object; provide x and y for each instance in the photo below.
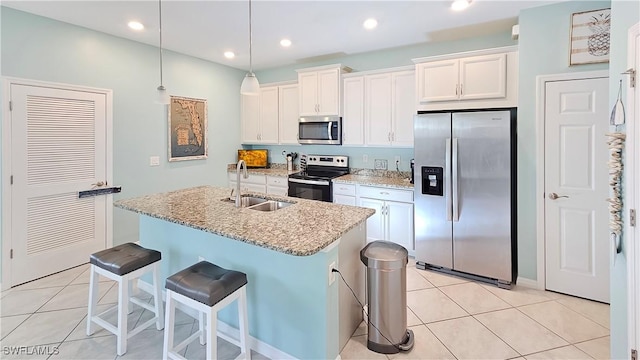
(447, 172)
(454, 177)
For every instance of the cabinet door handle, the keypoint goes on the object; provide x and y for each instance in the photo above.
(460, 89)
(456, 89)
(393, 136)
(384, 193)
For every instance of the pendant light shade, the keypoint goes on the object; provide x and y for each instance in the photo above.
(250, 84)
(162, 97)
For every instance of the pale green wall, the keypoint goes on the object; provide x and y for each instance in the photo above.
(38, 48)
(624, 14)
(544, 49)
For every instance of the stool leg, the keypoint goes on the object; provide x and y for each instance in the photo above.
(244, 324)
(201, 328)
(93, 299)
(130, 287)
(212, 335)
(123, 310)
(157, 298)
(168, 325)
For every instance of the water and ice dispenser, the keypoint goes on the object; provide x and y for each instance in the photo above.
(432, 180)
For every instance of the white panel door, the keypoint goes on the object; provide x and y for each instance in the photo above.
(377, 90)
(404, 107)
(58, 148)
(576, 227)
(376, 223)
(269, 115)
(353, 112)
(288, 113)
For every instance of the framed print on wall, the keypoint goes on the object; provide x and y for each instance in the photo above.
(187, 129)
(590, 33)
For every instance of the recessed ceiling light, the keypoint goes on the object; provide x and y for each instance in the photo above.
(285, 42)
(370, 24)
(135, 25)
(229, 54)
(459, 5)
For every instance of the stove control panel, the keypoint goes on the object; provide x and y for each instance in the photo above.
(328, 160)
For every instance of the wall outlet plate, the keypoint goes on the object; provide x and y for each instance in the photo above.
(154, 161)
(380, 164)
(332, 275)
(365, 158)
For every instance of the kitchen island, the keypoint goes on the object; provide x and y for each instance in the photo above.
(294, 311)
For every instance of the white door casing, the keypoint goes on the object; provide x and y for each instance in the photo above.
(631, 195)
(58, 142)
(576, 227)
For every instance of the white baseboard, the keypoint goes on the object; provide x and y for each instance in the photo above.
(227, 331)
(528, 283)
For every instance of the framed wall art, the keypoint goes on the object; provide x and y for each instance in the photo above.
(590, 37)
(187, 129)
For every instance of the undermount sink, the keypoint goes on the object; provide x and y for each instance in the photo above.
(270, 205)
(260, 204)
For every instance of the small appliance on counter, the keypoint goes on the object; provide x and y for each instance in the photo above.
(314, 182)
(255, 158)
(412, 174)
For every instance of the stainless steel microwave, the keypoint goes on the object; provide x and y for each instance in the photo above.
(323, 130)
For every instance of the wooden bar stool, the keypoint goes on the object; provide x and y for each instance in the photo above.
(124, 263)
(206, 288)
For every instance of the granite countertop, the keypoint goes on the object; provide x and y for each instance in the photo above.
(390, 182)
(301, 229)
(280, 171)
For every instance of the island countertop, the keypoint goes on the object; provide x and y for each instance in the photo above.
(301, 229)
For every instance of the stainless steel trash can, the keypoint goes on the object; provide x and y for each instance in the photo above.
(387, 296)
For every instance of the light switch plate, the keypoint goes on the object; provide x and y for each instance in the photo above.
(154, 161)
(380, 164)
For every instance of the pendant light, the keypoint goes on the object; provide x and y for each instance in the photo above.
(250, 84)
(163, 95)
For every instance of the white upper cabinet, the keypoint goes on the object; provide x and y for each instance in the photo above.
(250, 119)
(462, 81)
(403, 92)
(353, 111)
(289, 113)
(389, 108)
(271, 117)
(320, 90)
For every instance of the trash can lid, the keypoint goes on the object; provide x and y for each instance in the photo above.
(384, 255)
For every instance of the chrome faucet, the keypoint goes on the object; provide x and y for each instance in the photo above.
(244, 174)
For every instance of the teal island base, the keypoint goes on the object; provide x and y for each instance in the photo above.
(294, 311)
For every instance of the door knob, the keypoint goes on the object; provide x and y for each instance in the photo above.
(554, 196)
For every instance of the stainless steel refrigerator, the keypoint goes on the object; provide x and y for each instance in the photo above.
(464, 193)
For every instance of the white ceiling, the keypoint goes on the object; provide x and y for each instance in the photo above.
(318, 29)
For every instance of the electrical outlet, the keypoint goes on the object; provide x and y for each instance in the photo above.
(380, 164)
(365, 158)
(332, 275)
(154, 161)
(200, 258)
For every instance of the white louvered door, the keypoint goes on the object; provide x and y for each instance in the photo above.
(58, 148)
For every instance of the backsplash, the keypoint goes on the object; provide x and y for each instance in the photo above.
(382, 173)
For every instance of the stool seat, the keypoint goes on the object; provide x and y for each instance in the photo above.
(125, 258)
(206, 282)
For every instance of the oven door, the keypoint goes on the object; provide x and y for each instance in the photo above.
(310, 189)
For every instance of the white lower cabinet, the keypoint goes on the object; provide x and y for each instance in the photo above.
(277, 185)
(254, 183)
(344, 194)
(393, 220)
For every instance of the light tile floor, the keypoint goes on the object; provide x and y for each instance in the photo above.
(452, 318)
